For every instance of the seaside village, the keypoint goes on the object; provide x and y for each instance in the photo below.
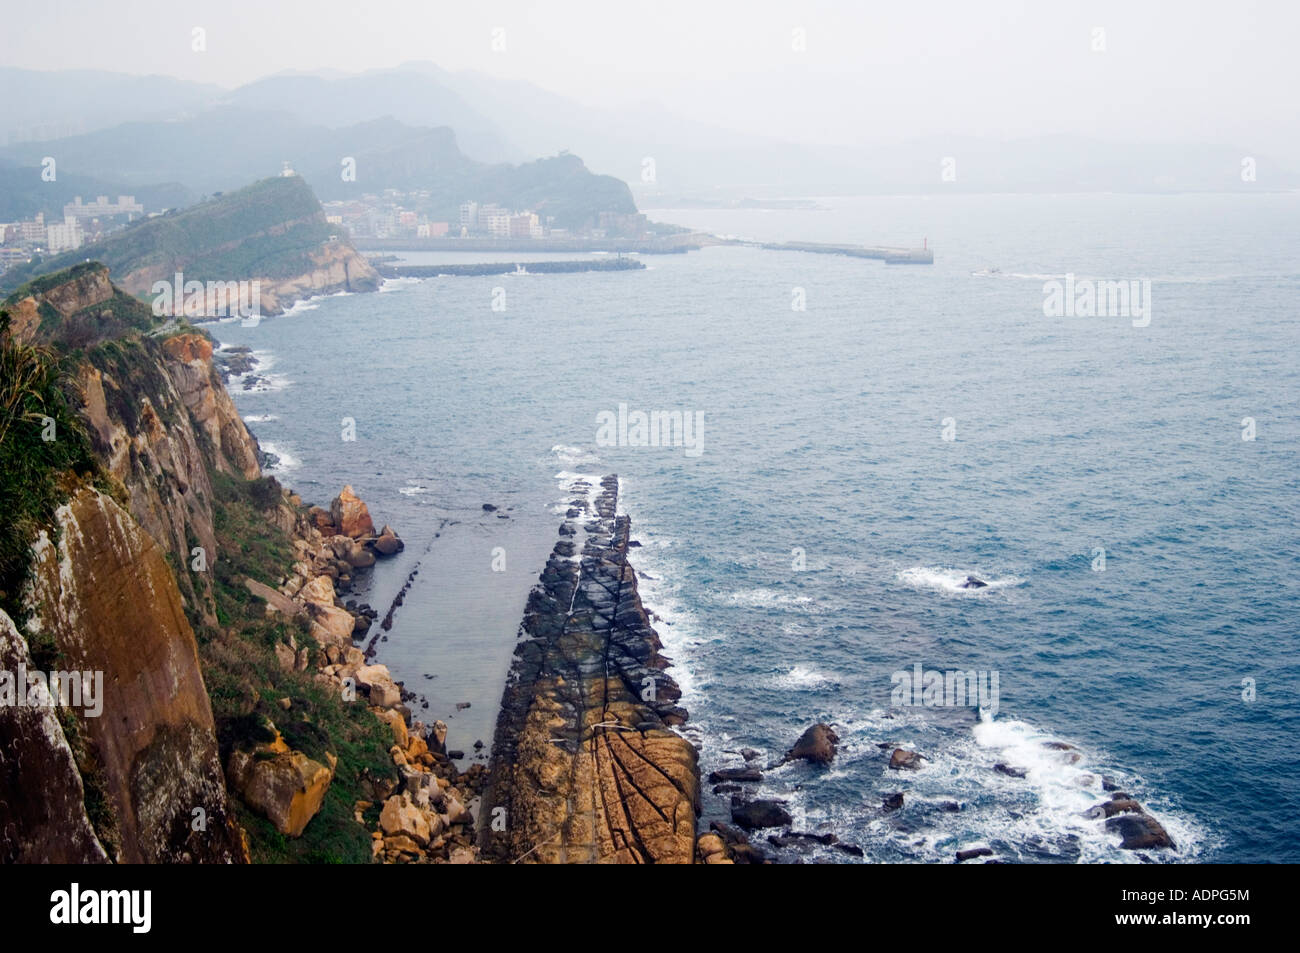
(83, 223)
(385, 216)
(393, 215)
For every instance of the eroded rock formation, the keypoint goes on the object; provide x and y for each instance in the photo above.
(106, 598)
(585, 763)
(42, 799)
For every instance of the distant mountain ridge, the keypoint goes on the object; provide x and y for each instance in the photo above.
(314, 120)
(388, 154)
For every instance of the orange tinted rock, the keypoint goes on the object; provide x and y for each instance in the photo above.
(350, 515)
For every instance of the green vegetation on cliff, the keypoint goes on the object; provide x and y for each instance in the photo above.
(245, 682)
(42, 447)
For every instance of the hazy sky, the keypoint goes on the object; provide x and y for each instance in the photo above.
(1221, 72)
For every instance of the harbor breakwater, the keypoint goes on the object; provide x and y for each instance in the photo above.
(510, 267)
(585, 765)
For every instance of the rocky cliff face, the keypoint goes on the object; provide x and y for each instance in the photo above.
(329, 268)
(158, 415)
(584, 762)
(161, 421)
(334, 267)
(104, 595)
(81, 292)
(42, 800)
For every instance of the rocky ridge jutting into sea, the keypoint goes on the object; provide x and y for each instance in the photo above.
(586, 767)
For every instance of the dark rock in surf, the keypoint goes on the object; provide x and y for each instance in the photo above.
(762, 813)
(1140, 832)
(816, 745)
(735, 774)
(974, 583)
(973, 853)
(893, 802)
(903, 759)
(1112, 807)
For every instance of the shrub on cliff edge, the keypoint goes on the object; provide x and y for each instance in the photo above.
(43, 447)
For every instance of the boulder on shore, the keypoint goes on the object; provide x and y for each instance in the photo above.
(350, 516)
(387, 543)
(283, 785)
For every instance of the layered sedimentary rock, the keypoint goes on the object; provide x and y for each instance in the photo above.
(333, 267)
(585, 764)
(103, 594)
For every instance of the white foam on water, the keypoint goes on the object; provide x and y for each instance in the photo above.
(397, 284)
(803, 678)
(287, 461)
(1064, 785)
(763, 598)
(942, 579)
(312, 303)
(259, 418)
(571, 483)
(412, 488)
(659, 576)
(265, 384)
(573, 456)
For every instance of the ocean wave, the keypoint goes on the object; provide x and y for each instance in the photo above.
(257, 383)
(259, 418)
(397, 284)
(571, 482)
(1065, 784)
(803, 678)
(285, 461)
(941, 579)
(959, 799)
(412, 488)
(573, 456)
(300, 307)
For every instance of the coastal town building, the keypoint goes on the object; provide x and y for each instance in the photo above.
(102, 208)
(32, 232)
(65, 237)
(469, 215)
